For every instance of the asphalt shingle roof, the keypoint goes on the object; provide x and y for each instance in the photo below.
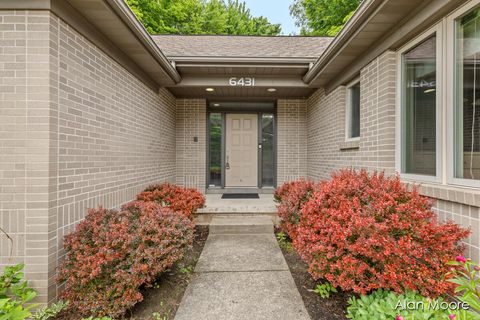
(241, 46)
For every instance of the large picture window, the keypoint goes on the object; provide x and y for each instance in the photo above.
(467, 96)
(419, 109)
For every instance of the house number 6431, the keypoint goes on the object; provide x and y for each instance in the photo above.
(242, 82)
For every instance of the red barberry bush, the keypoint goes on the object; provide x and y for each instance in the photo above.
(364, 232)
(185, 201)
(291, 196)
(113, 253)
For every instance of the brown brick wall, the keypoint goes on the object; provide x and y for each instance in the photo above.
(26, 150)
(466, 216)
(191, 156)
(80, 131)
(291, 140)
(327, 148)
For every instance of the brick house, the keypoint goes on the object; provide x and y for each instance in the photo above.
(93, 109)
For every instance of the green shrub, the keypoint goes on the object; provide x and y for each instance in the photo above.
(15, 294)
(324, 290)
(284, 241)
(388, 305)
(467, 277)
(51, 311)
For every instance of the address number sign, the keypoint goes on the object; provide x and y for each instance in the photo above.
(242, 82)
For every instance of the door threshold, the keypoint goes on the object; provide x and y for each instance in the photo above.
(266, 190)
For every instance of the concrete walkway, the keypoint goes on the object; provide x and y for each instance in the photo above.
(241, 274)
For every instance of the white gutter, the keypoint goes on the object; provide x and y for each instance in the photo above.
(256, 60)
(128, 17)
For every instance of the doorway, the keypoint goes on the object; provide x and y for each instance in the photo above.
(241, 146)
(241, 163)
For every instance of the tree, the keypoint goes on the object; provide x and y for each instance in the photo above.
(322, 17)
(200, 17)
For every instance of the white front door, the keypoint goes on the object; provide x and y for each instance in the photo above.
(241, 150)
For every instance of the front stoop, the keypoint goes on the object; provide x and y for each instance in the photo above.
(216, 205)
(242, 274)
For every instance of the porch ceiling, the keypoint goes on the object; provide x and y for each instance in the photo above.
(269, 84)
(285, 77)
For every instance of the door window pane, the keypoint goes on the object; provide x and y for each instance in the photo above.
(354, 111)
(419, 109)
(215, 150)
(467, 96)
(267, 149)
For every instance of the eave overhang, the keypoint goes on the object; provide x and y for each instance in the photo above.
(376, 26)
(362, 30)
(112, 26)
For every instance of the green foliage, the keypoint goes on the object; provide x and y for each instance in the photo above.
(467, 277)
(158, 316)
(50, 312)
(187, 269)
(322, 17)
(387, 305)
(324, 290)
(14, 294)
(284, 241)
(200, 17)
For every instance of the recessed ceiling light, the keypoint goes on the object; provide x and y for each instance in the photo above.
(271, 89)
(216, 104)
(210, 89)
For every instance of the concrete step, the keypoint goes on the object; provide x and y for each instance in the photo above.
(216, 205)
(238, 224)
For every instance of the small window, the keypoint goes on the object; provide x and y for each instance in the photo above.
(215, 136)
(268, 153)
(467, 96)
(419, 109)
(353, 111)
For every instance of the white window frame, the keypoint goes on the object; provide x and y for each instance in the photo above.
(450, 96)
(348, 111)
(438, 31)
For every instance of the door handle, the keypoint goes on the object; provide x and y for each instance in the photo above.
(227, 165)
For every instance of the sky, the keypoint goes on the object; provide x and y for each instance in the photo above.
(277, 11)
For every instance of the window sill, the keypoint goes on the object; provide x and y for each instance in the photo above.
(463, 195)
(350, 144)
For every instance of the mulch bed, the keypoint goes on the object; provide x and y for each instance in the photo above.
(162, 300)
(332, 308)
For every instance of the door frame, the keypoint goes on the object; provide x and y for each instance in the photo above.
(241, 110)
